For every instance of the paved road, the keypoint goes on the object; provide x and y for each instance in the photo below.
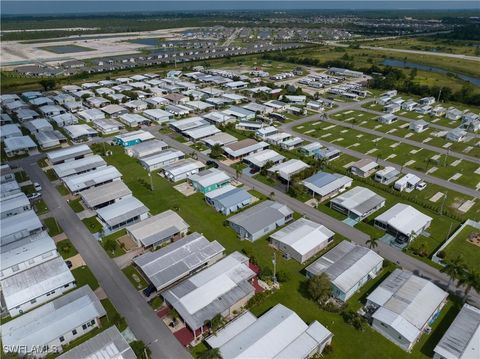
(416, 52)
(386, 251)
(130, 304)
(390, 136)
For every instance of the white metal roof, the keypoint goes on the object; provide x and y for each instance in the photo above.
(109, 344)
(68, 153)
(158, 227)
(279, 333)
(183, 166)
(303, 235)
(110, 191)
(260, 158)
(404, 218)
(52, 320)
(346, 264)
(162, 157)
(287, 169)
(91, 178)
(406, 302)
(210, 177)
(212, 291)
(19, 143)
(25, 249)
(177, 260)
(121, 211)
(135, 135)
(324, 183)
(359, 200)
(81, 165)
(201, 132)
(35, 282)
(462, 339)
(19, 225)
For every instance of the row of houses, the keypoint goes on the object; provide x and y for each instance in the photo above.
(39, 291)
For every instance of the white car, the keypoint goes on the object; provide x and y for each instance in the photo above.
(421, 186)
(37, 186)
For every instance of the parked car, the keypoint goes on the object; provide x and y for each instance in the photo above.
(212, 164)
(149, 290)
(69, 264)
(37, 186)
(421, 186)
(33, 196)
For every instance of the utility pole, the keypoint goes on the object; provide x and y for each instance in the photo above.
(443, 202)
(274, 261)
(439, 93)
(151, 181)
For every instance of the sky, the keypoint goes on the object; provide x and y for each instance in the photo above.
(45, 7)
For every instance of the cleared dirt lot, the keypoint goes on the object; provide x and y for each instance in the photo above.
(14, 53)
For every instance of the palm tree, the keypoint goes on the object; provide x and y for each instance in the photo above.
(213, 353)
(469, 279)
(454, 269)
(372, 243)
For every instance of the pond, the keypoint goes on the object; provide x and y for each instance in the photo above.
(412, 65)
(66, 49)
(150, 41)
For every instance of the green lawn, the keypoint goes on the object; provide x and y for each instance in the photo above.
(156, 302)
(52, 225)
(51, 174)
(92, 224)
(63, 190)
(118, 251)
(42, 163)
(21, 176)
(135, 277)
(348, 342)
(66, 249)
(76, 205)
(113, 317)
(461, 246)
(83, 276)
(28, 189)
(40, 207)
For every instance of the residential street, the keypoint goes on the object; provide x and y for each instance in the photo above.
(130, 304)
